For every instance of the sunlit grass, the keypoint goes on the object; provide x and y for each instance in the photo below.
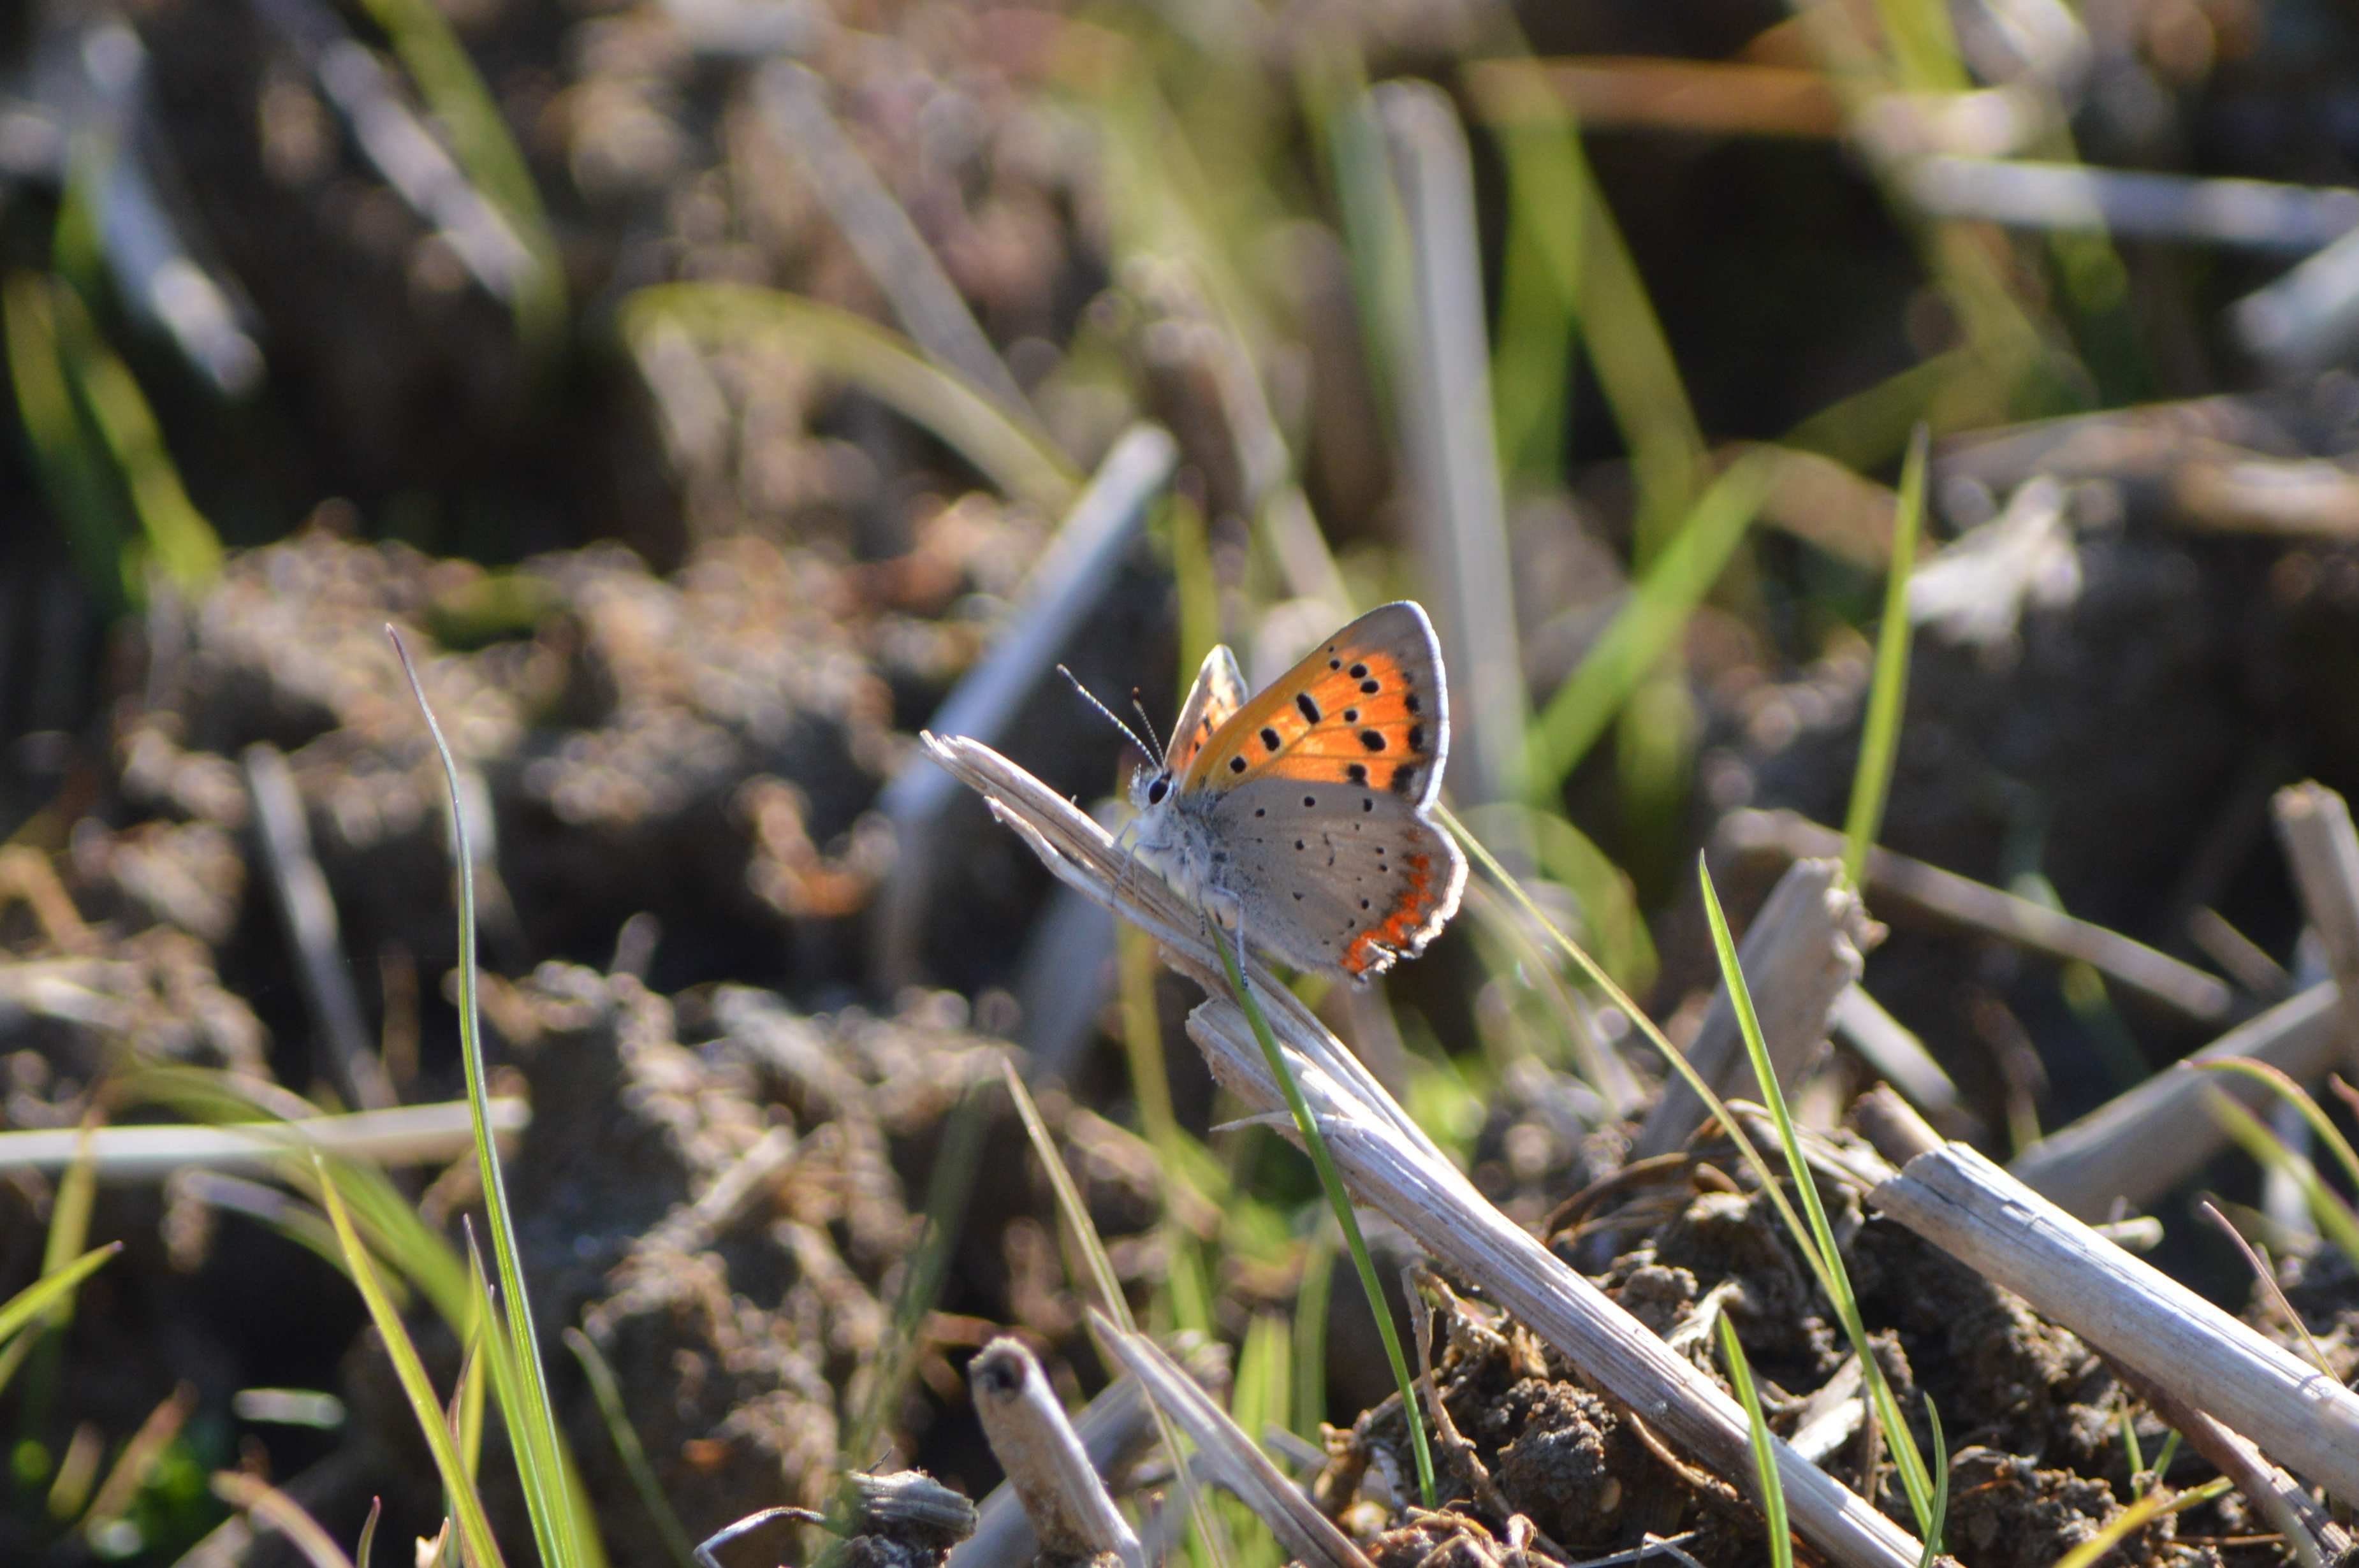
(1888, 696)
(542, 1463)
(1818, 1244)
(1765, 1445)
(1340, 1200)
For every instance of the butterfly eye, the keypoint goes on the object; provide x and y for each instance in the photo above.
(1159, 789)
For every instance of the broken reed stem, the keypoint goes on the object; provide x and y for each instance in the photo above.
(1113, 1425)
(410, 1134)
(1396, 1169)
(2314, 825)
(1892, 881)
(1233, 1459)
(1044, 1458)
(1995, 1225)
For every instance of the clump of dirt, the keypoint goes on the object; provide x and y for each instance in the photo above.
(2033, 1418)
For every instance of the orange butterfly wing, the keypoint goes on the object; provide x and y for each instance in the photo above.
(1218, 692)
(1366, 706)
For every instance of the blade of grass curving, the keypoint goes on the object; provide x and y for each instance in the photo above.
(1673, 1058)
(54, 1288)
(411, 1373)
(1879, 742)
(80, 489)
(2118, 1528)
(67, 1239)
(1346, 1218)
(1631, 646)
(532, 1420)
(879, 362)
(1820, 1239)
(430, 50)
(608, 1392)
(2321, 1126)
(252, 1495)
(367, 1543)
(2335, 1217)
(1764, 1452)
(175, 538)
(1085, 1236)
(1939, 1522)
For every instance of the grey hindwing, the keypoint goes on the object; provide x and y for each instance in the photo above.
(1314, 865)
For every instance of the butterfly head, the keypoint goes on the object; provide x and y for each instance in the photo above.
(1151, 787)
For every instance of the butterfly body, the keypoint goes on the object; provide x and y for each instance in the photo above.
(1300, 814)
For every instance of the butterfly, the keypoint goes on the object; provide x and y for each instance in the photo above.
(1299, 814)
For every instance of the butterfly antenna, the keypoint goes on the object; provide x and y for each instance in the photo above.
(1153, 759)
(1140, 708)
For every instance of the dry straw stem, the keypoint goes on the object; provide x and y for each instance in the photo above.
(1067, 582)
(1397, 1169)
(1045, 1459)
(1111, 1426)
(1801, 955)
(2133, 1312)
(1896, 1056)
(1223, 1449)
(1896, 879)
(2145, 1141)
(1447, 439)
(407, 1135)
(2314, 825)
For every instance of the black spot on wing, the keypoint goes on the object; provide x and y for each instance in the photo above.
(1351, 715)
(1404, 781)
(1374, 740)
(1269, 738)
(1416, 703)
(1359, 671)
(1309, 708)
(1236, 765)
(1357, 772)
(1371, 686)
(1416, 738)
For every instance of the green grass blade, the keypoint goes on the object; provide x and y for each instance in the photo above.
(1539, 282)
(1818, 1244)
(1879, 742)
(1085, 1236)
(462, 106)
(532, 1420)
(1940, 1519)
(609, 1395)
(880, 362)
(54, 1289)
(2321, 1127)
(1332, 1182)
(1645, 627)
(951, 1184)
(175, 538)
(411, 1373)
(1311, 1298)
(1764, 1445)
(86, 498)
(2335, 1217)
